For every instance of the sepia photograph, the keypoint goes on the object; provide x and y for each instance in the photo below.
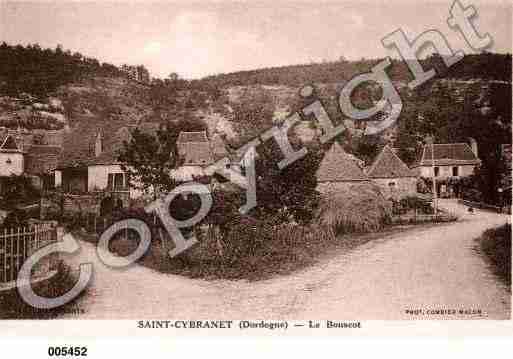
(237, 167)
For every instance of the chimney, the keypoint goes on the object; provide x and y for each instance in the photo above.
(98, 145)
(473, 146)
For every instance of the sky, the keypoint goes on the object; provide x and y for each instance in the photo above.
(205, 38)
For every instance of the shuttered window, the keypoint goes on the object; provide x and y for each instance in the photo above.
(119, 181)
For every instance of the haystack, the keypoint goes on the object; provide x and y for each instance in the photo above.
(359, 208)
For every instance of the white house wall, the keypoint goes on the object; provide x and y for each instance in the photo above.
(58, 178)
(16, 166)
(98, 176)
(446, 171)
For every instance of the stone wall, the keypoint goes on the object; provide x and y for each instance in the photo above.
(401, 188)
(334, 187)
(396, 187)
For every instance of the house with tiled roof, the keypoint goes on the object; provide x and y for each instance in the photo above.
(339, 170)
(12, 157)
(392, 175)
(89, 162)
(19, 156)
(447, 162)
(196, 152)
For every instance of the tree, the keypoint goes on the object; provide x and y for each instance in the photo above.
(18, 190)
(289, 193)
(253, 114)
(148, 158)
(173, 76)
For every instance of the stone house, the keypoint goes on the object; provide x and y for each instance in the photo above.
(339, 170)
(392, 175)
(20, 156)
(89, 167)
(196, 152)
(447, 162)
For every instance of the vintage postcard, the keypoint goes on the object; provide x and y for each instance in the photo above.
(227, 168)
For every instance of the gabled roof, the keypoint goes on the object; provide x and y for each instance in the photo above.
(42, 159)
(338, 166)
(192, 136)
(78, 145)
(446, 154)
(9, 144)
(388, 165)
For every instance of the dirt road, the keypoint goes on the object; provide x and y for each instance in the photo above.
(427, 269)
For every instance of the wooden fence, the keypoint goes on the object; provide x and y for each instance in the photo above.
(93, 223)
(17, 244)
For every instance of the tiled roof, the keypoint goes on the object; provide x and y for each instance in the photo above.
(195, 153)
(77, 150)
(41, 159)
(78, 144)
(196, 149)
(447, 154)
(196, 136)
(338, 166)
(8, 144)
(388, 165)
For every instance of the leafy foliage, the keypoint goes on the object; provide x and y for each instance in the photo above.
(18, 190)
(149, 158)
(289, 193)
(486, 66)
(496, 245)
(39, 71)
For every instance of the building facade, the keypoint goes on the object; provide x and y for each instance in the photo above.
(392, 175)
(447, 163)
(20, 156)
(89, 167)
(338, 171)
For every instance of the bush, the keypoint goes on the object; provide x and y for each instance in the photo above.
(251, 249)
(360, 208)
(12, 306)
(496, 245)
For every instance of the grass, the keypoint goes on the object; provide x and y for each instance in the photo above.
(253, 249)
(12, 306)
(495, 244)
(290, 249)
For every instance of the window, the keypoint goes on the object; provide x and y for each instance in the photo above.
(455, 171)
(437, 171)
(116, 181)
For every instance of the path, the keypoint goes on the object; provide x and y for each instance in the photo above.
(423, 268)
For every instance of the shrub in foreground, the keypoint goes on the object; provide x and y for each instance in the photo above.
(496, 245)
(12, 306)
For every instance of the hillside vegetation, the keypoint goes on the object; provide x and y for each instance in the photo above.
(485, 66)
(46, 89)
